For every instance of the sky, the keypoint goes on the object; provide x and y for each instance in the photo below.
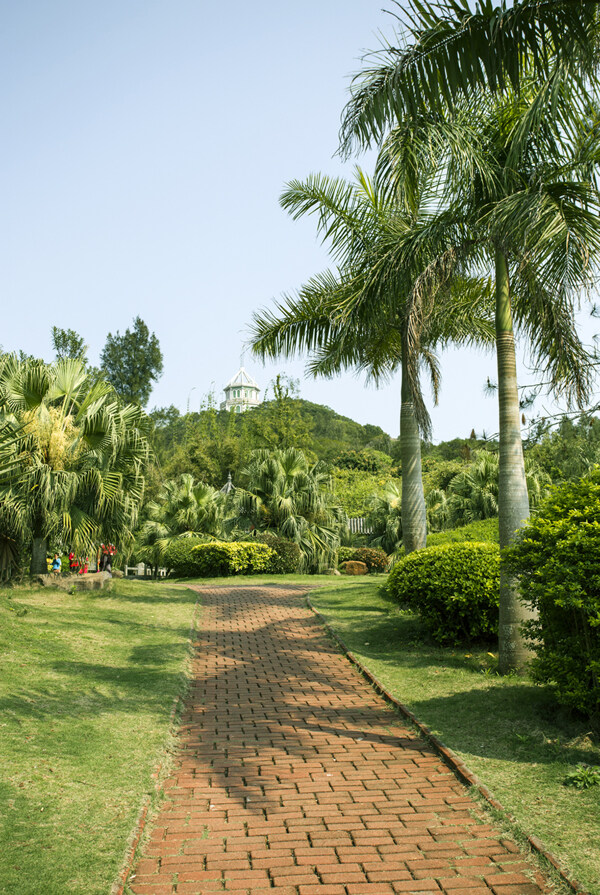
(145, 147)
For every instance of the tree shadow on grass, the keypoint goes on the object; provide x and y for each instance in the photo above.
(510, 723)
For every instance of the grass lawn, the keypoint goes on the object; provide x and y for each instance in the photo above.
(508, 731)
(87, 684)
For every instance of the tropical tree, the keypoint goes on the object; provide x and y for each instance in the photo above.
(517, 199)
(282, 492)
(75, 457)
(326, 318)
(384, 519)
(183, 508)
(472, 494)
(450, 49)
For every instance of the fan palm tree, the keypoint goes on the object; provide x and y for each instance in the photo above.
(76, 456)
(327, 320)
(281, 492)
(184, 508)
(472, 494)
(518, 200)
(384, 519)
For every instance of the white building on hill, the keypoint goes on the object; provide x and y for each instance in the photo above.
(241, 393)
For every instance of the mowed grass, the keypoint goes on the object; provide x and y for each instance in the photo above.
(87, 684)
(509, 732)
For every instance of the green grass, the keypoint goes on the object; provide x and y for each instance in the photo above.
(87, 684)
(508, 731)
(341, 581)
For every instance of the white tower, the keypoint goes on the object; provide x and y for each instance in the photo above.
(241, 393)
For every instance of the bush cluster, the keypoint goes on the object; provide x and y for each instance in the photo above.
(219, 559)
(375, 559)
(287, 553)
(454, 588)
(179, 557)
(480, 530)
(233, 558)
(556, 558)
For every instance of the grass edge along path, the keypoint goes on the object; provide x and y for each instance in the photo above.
(360, 612)
(151, 802)
(88, 685)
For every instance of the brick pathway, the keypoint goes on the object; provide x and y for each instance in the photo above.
(295, 778)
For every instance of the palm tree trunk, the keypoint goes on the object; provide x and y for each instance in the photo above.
(414, 514)
(513, 500)
(39, 552)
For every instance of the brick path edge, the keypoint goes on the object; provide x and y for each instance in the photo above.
(136, 834)
(449, 757)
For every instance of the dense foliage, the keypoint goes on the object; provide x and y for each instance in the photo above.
(288, 556)
(556, 559)
(233, 558)
(284, 493)
(73, 458)
(132, 362)
(179, 557)
(454, 587)
(375, 559)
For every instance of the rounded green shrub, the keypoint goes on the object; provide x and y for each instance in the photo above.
(232, 558)
(180, 559)
(375, 559)
(345, 553)
(556, 558)
(287, 553)
(454, 588)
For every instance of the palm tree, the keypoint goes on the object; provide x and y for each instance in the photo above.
(184, 508)
(450, 49)
(76, 456)
(472, 494)
(282, 492)
(384, 519)
(327, 320)
(516, 197)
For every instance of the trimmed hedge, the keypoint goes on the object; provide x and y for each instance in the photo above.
(556, 558)
(288, 555)
(232, 558)
(375, 559)
(454, 588)
(179, 557)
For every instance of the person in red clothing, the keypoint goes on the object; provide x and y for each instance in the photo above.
(73, 563)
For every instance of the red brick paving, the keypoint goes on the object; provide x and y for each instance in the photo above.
(295, 778)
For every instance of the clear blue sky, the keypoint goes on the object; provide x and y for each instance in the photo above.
(144, 148)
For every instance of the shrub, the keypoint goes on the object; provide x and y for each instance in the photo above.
(481, 530)
(375, 559)
(556, 558)
(287, 553)
(179, 557)
(454, 587)
(345, 553)
(234, 558)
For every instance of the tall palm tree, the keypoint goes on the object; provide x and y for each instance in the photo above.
(516, 199)
(326, 319)
(448, 49)
(77, 457)
(282, 492)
